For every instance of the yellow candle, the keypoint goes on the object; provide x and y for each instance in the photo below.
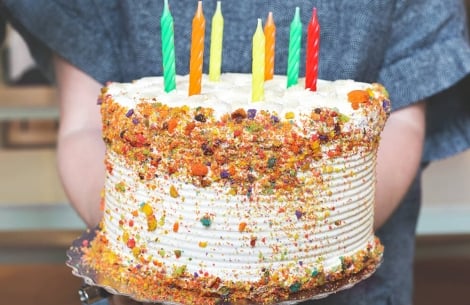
(197, 51)
(217, 33)
(270, 36)
(257, 68)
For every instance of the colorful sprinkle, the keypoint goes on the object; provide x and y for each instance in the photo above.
(131, 243)
(200, 118)
(289, 115)
(238, 115)
(151, 223)
(295, 287)
(130, 113)
(174, 192)
(199, 169)
(179, 271)
(357, 97)
(271, 162)
(224, 174)
(120, 187)
(206, 221)
(253, 241)
(146, 209)
(251, 113)
(172, 124)
(314, 272)
(177, 253)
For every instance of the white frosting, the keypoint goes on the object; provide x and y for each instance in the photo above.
(338, 223)
(342, 227)
(233, 91)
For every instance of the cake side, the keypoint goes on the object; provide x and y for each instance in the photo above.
(241, 200)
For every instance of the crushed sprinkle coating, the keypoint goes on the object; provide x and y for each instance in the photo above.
(180, 286)
(247, 152)
(239, 149)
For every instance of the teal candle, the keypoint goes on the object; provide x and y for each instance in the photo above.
(293, 59)
(168, 49)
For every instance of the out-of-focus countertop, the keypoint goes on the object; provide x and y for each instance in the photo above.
(27, 102)
(446, 196)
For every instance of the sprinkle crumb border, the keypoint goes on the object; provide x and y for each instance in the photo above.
(91, 258)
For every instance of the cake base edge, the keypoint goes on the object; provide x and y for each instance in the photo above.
(91, 260)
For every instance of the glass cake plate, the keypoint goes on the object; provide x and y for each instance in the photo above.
(91, 277)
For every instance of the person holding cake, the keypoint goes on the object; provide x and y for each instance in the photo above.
(417, 49)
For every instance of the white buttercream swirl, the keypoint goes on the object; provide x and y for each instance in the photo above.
(342, 224)
(233, 91)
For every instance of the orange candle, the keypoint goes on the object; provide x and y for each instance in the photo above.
(197, 51)
(270, 37)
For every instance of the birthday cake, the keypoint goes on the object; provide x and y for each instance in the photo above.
(215, 199)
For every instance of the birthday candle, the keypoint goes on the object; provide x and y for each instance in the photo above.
(217, 33)
(270, 36)
(168, 49)
(257, 67)
(294, 50)
(197, 51)
(313, 48)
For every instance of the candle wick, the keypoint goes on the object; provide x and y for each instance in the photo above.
(199, 8)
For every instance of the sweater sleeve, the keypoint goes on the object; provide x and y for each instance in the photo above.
(428, 50)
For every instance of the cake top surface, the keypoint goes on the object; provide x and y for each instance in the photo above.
(221, 130)
(233, 91)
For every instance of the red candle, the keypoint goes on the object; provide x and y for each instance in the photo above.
(313, 48)
(197, 51)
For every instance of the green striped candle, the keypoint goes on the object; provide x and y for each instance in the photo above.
(168, 49)
(293, 60)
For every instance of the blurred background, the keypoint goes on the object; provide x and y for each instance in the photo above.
(37, 225)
